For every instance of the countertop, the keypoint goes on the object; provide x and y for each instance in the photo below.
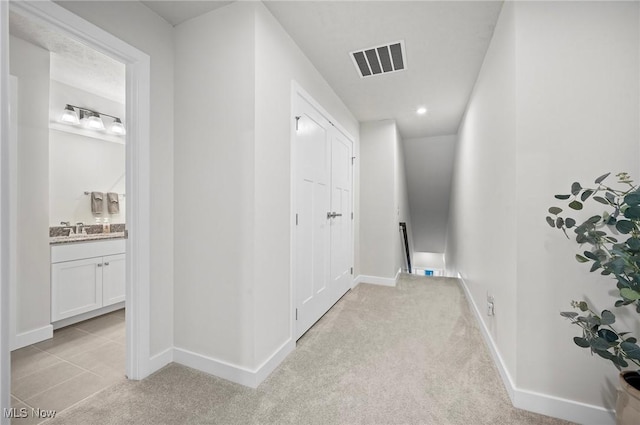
(58, 240)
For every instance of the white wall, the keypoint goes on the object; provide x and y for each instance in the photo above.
(214, 202)
(550, 107)
(378, 203)
(428, 260)
(481, 239)
(429, 175)
(78, 163)
(32, 301)
(135, 24)
(278, 61)
(402, 205)
(578, 102)
(233, 122)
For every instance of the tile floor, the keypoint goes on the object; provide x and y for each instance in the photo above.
(79, 361)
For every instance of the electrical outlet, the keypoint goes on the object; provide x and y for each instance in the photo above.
(491, 308)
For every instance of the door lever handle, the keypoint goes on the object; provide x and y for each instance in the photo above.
(333, 215)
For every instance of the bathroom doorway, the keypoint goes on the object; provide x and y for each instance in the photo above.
(68, 290)
(55, 19)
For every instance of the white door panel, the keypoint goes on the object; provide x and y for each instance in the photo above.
(323, 243)
(312, 231)
(341, 225)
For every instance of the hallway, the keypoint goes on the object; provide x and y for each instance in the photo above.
(411, 354)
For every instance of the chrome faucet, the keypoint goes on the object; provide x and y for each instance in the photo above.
(69, 226)
(79, 227)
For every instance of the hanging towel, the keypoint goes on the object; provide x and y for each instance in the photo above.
(96, 202)
(113, 203)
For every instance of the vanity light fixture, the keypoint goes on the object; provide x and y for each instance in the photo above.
(70, 116)
(91, 119)
(117, 127)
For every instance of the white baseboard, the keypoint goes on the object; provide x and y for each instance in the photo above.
(160, 360)
(544, 404)
(374, 280)
(234, 373)
(31, 337)
(569, 410)
(264, 370)
(88, 315)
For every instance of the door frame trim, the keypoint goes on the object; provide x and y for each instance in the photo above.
(138, 247)
(297, 91)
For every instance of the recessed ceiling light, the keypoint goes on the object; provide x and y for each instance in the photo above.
(421, 110)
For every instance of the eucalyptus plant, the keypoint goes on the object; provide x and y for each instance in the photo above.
(612, 240)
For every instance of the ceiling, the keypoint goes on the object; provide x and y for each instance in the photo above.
(177, 11)
(445, 45)
(73, 63)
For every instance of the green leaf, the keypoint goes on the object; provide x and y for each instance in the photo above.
(631, 340)
(562, 197)
(600, 344)
(591, 255)
(576, 205)
(596, 265)
(632, 213)
(583, 306)
(568, 314)
(601, 200)
(555, 210)
(630, 294)
(607, 318)
(585, 195)
(569, 222)
(581, 259)
(610, 197)
(625, 226)
(608, 335)
(633, 243)
(632, 199)
(595, 219)
(575, 188)
(559, 222)
(619, 362)
(601, 178)
(632, 350)
(551, 222)
(581, 342)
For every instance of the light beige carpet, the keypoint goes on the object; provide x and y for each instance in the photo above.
(406, 355)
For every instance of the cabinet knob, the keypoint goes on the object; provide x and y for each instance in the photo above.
(106, 264)
(100, 265)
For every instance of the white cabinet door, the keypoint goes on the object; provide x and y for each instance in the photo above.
(113, 279)
(76, 287)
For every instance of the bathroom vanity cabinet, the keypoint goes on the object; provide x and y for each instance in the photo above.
(86, 276)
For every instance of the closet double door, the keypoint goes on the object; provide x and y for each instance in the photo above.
(323, 205)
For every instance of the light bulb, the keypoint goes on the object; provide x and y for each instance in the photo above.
(117, 127)
(93, 121)
(70, 116)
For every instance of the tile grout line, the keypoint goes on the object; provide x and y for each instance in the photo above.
(80, 401)
(62, 360)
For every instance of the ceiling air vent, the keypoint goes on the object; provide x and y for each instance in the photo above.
(380, 60)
